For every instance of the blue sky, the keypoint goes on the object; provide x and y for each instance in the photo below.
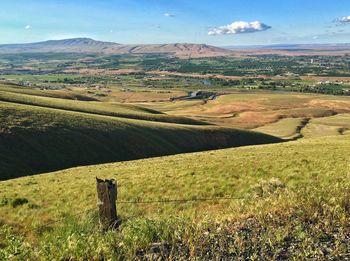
(169, 21)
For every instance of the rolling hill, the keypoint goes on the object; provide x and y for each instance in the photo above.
(287, 201)
(87, 45)
(58, 101)
(182, 50)
(40, 134)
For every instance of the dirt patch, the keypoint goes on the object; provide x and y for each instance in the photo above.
(341, 106)
(235, 107)
(252, 119)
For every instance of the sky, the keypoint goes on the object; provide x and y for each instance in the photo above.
(215, 22)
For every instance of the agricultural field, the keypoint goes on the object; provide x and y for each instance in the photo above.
(307, 74)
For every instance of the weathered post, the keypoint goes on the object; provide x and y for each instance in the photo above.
(107, 195)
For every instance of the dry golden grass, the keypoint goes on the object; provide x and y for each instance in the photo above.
(292, 202)
(288, 128)
(252, 110)
(328, 126)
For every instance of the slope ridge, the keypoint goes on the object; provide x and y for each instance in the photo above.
(36, 139)
(108, 109)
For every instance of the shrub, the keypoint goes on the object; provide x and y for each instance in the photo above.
(19, 202)
(267, 187)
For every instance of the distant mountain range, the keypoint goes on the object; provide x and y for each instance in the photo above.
(87, 45)
(182, 50)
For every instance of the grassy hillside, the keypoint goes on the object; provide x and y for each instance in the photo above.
(110, 109)
(286, 128)
(292, 202)
(63, 94)
(283, 201)
(36, 139)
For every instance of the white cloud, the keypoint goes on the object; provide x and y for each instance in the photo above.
(344, 19)
(239, 27)
(27, 27)
(169, 15)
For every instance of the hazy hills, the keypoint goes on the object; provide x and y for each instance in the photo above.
(87, 45)
(182, 50)
(330, 49)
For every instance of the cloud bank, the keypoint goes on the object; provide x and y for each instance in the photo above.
(239, 27)
(344, 19)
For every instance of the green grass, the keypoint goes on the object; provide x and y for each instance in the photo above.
(62, 94)
(36, 139)
(42, 77)
(292, 128)
(286, 128)
(101, 108)
(328, 126)
(293, 202)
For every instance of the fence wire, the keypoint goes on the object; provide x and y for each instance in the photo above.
(178, 200)
(136, 202)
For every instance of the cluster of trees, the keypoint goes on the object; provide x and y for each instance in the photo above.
(333, 89)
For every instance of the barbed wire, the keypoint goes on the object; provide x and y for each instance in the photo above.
(135, 202)
(178, 200)
(130, 202)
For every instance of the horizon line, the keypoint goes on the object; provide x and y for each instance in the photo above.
(222, 46)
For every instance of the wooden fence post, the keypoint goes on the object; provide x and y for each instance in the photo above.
(107, 195)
